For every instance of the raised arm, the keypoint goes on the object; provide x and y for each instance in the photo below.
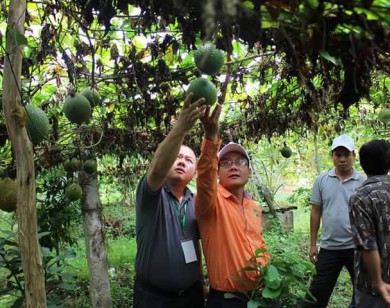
(169, 148)
(208, 162)
(211, 123)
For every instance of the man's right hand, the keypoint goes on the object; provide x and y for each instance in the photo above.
(384, 291)
(313, 254)
(211, 122)
(190, 113)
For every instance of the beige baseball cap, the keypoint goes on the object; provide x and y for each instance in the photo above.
(232, 147)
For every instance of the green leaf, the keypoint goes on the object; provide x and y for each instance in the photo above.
(273, 284)
(252, 304)
(259, 252)
(230, 295)
(330, 58)
(66, 286)
(272, 272)
(270, 293)
(248, 268)
(19, 37)
(251, 6)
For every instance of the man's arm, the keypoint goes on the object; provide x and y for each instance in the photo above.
(207, 165)
(315, 220)
(372, 261)
(169, 148)
(211, 123)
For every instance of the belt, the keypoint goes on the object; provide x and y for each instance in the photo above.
(163, 292)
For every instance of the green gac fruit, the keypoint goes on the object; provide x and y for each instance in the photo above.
(76, 164)
(208, 59)
(384, 116)
(92, 95)
(202, 87)
(8, 195)
(37, 124)
(77, 108)
(68, 166)
(90, 166)
(286, 151)
(73, 191)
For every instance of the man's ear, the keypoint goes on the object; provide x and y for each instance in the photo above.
(194, 177)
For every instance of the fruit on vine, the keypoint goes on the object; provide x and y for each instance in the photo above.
(68, 166)
(209, 59)
(202, 87)
(92, 95)
(73, 191)
(384, 116)
(286, 151)
(90, 166)
(8, 195)
(76, 163)
(77, 108)
(37, 124)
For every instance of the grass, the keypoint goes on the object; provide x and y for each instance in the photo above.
(121, 256)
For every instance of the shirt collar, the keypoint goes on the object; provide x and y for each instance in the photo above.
(188, 194)
(226, 194)
(355, 175)
(377, 178)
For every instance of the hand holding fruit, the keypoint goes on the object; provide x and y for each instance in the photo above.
(191, 112)
(211, 122)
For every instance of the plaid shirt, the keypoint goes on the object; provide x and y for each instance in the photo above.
(369, 211)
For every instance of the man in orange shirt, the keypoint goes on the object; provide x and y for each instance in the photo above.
(229, 220)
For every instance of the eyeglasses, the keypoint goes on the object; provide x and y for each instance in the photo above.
(240, 162)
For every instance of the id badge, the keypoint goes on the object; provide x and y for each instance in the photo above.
(188, 248)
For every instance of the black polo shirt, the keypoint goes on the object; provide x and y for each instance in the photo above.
(160, 259)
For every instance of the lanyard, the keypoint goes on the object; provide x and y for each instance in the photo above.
(180, 212)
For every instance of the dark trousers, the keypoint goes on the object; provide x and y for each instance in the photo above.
(328, 267)
(147, 297)
(363, 300)
(216, 299)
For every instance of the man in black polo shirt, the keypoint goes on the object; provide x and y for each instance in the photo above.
(168, 261)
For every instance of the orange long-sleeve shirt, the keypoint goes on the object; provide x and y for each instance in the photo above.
(230, 232)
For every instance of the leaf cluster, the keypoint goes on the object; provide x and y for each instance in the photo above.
(283, 280)
(54, 265)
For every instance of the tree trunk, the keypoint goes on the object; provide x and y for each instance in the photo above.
(264, 191)
(95, 242)
(15, 120)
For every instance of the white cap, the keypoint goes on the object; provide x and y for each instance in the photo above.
(232, 147)
(343, 141)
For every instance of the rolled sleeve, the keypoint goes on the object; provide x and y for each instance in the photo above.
(207, 177)
(364, 235)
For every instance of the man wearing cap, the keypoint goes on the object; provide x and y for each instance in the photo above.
(229, 220)
(329, 198)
